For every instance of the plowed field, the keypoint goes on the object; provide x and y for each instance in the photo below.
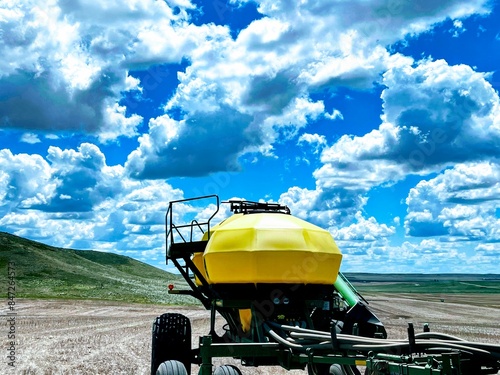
(95, 337)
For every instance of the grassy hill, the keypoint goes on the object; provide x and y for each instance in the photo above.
(44, 271)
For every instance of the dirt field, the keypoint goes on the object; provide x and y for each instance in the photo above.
(87, 337)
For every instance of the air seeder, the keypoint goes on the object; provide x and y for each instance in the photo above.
(274, 279)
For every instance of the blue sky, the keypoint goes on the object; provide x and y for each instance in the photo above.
(378, 120)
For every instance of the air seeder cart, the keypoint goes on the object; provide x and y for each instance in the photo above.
(274, 279)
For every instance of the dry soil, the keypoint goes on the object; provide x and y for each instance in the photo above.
(95, 337)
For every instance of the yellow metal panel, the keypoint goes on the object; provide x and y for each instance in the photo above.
(198, 262)
(271, 248)
(245, 319)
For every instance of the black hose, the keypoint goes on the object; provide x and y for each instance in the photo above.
(303, 338)
(422, 346)
(280, 339)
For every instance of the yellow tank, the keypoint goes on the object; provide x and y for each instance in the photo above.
(198, 262)
(269, 248)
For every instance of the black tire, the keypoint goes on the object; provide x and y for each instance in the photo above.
(336, 370)
(171, 341)
(227, 370)
(351, 370)
(171, 367)
(324, 369)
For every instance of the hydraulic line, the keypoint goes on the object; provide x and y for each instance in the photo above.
(341, 337)
(280, 339)
(437, 335)
(346, 291)
(302, 339)
(404, 347)
(303, 333)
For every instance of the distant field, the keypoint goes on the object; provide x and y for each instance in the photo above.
(421, 283)
(440, 287)
(43, 271)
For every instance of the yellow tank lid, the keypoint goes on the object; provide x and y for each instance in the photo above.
(270, 248)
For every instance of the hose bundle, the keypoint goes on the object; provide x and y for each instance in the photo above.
(302, 339)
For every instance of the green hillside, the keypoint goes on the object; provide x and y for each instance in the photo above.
(43, 271)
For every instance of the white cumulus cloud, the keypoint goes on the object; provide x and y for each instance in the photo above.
(65, 65)
(460, 203)
(266, 74)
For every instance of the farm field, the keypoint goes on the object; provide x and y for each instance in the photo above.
(428, 284)
(102, 337)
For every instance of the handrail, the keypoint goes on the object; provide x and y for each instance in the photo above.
(171, 228)
(193, 222)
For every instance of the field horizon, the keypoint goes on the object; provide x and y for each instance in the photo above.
(45, 272)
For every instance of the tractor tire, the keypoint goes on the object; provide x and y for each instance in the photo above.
(171, 367)
(336, 370)
(351, 370)
(171, 341)
(318, 369)
(227, 370)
